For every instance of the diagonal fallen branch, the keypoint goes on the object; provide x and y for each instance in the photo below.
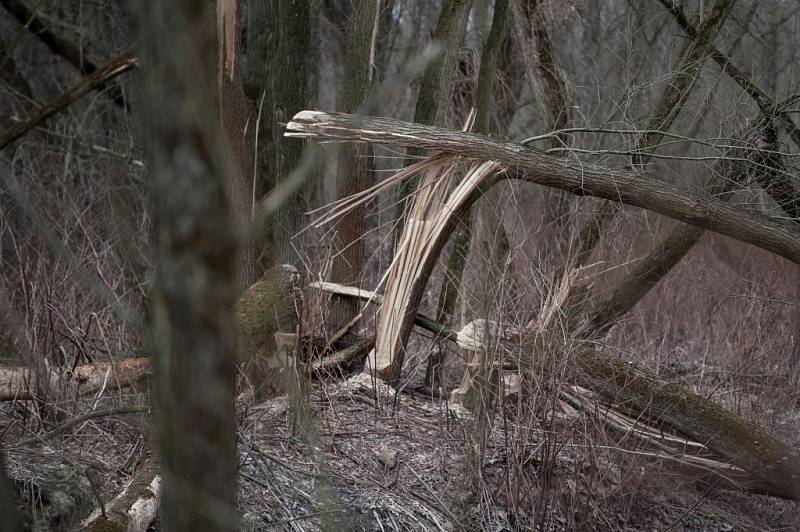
(519, 162)
(96, 79)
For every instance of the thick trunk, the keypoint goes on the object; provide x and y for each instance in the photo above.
(19, 383)
(348, 240)
(422, 241)
(437, 83)
(742, 443)
(234, 115)
(635, 390)
(195, 284)
(548, 84)
(458, 256)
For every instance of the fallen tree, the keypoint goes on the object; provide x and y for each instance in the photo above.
(771, 466)
(434, 217)
(21, 382)
(694, 207)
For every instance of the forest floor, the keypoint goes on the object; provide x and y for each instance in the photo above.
(380, 460)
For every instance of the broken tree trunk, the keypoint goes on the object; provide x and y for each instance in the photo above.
(433, 217)
(456, 264)
(744, 444)
(680, 203)
(427, 229)
(269, 306)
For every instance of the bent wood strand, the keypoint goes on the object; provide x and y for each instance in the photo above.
(690, 206)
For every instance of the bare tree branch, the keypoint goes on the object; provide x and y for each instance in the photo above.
(62, 47)
(114, 68)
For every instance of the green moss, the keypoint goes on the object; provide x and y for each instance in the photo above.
(263, 309)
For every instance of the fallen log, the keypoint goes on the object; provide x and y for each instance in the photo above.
(135, 508)
(21, 383)
(744, 444)
(773, 465)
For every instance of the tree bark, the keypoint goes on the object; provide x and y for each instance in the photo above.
(458, 256)
(348, 240)
(195, 286)
(551, 91)
(423, 242)
(234, 115)
(437, 83)
(735, 439)
(293, 46)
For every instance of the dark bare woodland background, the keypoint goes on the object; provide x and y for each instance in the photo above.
(133, 217)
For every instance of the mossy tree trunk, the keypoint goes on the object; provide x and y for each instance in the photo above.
(195, 283)
(742, 443)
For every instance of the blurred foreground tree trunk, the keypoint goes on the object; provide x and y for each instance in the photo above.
(195, 282)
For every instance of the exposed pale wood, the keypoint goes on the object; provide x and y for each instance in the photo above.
(376, 298)
(135, 508)
(437, 205)
(774, 465)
